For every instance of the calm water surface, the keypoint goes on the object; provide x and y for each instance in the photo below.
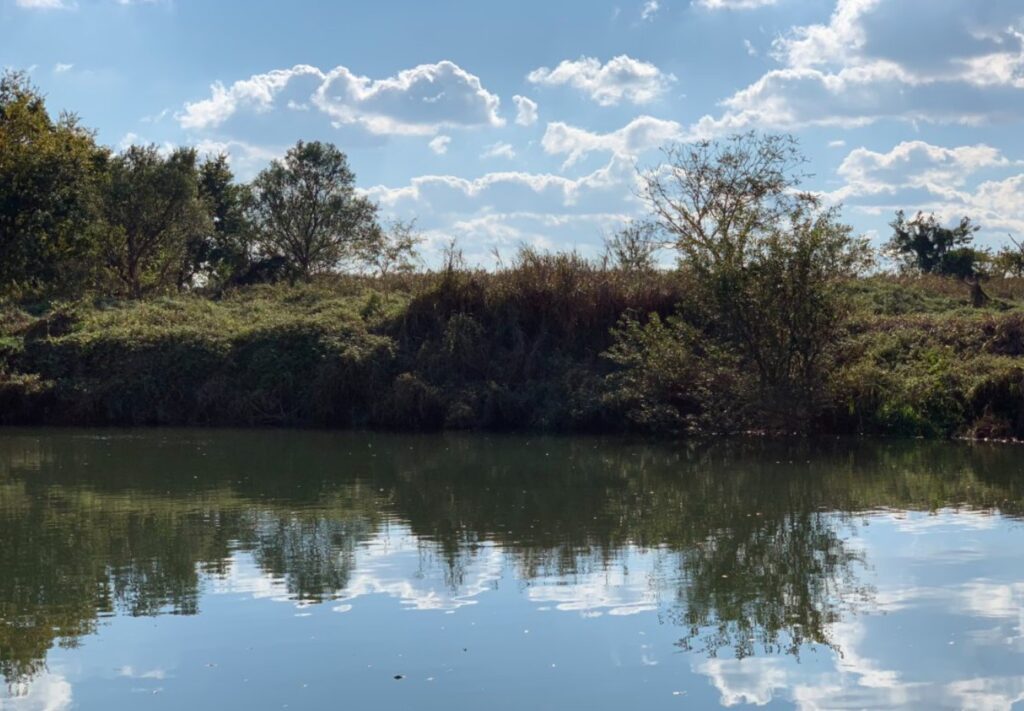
(268, 570)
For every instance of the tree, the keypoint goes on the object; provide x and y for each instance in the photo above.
(222, 253)
(393, 251)
(770, 261)
(634, 247)
(924, 246)
(1009, 260)
(305, 208)
(48, 171)
(151, 210)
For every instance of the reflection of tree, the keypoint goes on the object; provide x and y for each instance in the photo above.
(750, 535)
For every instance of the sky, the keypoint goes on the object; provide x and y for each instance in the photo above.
(499, 124)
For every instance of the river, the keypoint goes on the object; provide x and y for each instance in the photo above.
(207, 569)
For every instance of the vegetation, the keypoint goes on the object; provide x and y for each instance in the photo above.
(150, 287)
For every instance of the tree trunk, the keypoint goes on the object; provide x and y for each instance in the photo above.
(978, 296)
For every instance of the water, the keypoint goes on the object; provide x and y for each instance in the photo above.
(269, 570)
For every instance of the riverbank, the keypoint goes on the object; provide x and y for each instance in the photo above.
(520, 349)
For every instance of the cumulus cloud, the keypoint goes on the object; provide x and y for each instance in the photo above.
(418, 101)
(439, 144)
(511, 191)
(641, 134)
(506, 208)
(526, 110)
(621, 79)
(916, 164)
(915, 175)
(956, 61)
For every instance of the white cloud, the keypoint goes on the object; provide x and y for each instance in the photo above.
(734, 4)
(511, 191)
(915, 175)
(649, 10)
(916, 164)
(48, 691)
(751, 681)
(418, 101)
(502, 209)
(499, 150)
(60, 68)
(641, 134)
(962, 62)
(838, 143)
(751, 49)
(44, 4)
(245, 159)
(621, 79)
(439, 144)
(953, 40)
(526, 110)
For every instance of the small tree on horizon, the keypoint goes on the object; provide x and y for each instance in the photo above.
(923, 245)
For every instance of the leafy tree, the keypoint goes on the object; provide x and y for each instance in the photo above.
(923, 245)
(770, 261)
(47, 179)
(305, 208)
(222, 253)
(152, 210)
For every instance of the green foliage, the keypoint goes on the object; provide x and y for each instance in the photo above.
(770, 262)
(923, 245)
(218, 255)
(516, 349)
(305, 209)
(151, 212)
(48, 170)
(672, 377)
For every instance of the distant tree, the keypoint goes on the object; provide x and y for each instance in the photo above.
(152, 210)
(48, 171)
(1009, 260)
(305, 208)
(923, 245)
(393, 251)
(771, 262)
(634, 246)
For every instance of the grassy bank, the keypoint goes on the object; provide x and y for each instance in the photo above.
(522, 348)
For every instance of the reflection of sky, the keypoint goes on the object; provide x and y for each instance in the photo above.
(392, 563)
(943, 628)
(47, 692)
(936, 636)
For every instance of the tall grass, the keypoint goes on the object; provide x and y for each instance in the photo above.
(520, 347)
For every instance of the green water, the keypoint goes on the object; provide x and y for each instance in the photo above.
(267, 570)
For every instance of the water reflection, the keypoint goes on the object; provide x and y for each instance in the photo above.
(753, 554)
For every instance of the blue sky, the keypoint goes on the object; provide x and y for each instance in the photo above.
(502, 123)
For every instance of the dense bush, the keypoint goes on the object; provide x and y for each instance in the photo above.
(552, 342)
